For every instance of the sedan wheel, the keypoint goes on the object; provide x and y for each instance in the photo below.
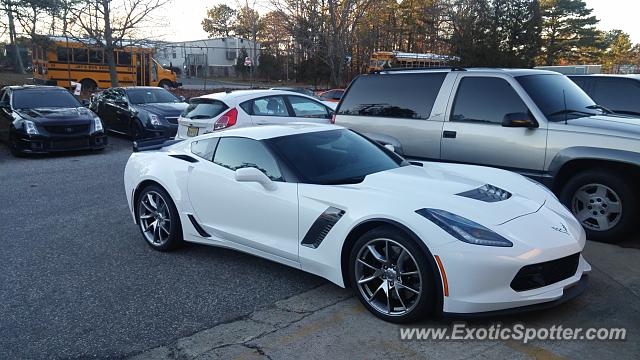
(393, 275)
(158, 219)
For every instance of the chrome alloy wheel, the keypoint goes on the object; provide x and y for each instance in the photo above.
(154, 218)
(597, 207)
(388, 277)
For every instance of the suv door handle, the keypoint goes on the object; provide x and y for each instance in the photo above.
(449, 134)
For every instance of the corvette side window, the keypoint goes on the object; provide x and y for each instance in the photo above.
(204, 148)
(236, 153)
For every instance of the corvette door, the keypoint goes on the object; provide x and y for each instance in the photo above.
(245, 213)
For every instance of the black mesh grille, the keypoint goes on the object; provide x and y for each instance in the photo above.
(538, 275)
(172, 120)
(67, 129)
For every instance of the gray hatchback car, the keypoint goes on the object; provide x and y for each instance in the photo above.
(535, 122)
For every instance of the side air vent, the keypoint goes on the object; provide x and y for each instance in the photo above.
(197, 226)
(321, 227)
(186, 158)
(487, 193)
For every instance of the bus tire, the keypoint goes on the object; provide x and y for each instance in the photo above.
(88, 85)
(165, 84)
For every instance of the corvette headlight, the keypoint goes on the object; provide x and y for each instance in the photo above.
(30, 127)
(154, 119)
(464, 229)
(97, 124)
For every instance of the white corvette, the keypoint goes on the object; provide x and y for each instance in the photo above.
(412, 239)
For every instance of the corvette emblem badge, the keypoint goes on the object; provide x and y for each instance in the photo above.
(562, 229)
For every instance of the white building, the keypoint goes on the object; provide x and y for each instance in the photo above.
(199, 58)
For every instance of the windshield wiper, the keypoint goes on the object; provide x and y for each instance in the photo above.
(600, 107)
(571, 111)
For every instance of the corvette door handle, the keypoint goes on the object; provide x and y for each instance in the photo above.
(449, 134)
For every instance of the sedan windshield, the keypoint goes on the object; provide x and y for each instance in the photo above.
(148, 96)
(34, 99)
(558, 97)
(333, 157)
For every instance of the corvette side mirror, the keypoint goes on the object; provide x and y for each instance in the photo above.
(251, 174)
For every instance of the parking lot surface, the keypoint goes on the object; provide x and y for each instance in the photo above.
(77, 281)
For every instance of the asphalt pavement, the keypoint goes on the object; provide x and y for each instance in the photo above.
(77, 279)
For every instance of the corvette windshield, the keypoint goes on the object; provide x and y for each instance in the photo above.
(333, 157)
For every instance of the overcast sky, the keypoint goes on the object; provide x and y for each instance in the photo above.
(185, 17)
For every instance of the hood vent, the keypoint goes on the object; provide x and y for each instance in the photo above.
(487, 193)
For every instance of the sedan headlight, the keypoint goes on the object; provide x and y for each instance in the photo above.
(97, 124)
(464, 229)
(154, 119)
(30, 127)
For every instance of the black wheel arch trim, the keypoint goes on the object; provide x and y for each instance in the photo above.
(438, 308)
(591, 153)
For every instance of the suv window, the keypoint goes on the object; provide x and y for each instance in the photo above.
(485, 100)
(204, 148)
(237, 153)
(407, 96)
(619, 95)
(307, 108)
(269, 106)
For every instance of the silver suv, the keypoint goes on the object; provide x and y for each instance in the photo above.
(535, 122)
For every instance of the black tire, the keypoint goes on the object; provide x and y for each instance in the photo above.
(415, 306)
(173, 237)
(165, 84)
(622, 224)
(14, 148)
(88, 85)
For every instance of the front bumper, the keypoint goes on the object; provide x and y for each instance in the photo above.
(41, 144)
(480, 279)
(161, 131)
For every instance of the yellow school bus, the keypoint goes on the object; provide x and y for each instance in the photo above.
(60, 61)
(381, 60)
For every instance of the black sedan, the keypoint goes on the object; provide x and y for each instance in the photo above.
(42, 119)
(139, 112)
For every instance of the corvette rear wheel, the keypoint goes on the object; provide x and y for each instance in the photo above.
(392, 276)
(158, 219)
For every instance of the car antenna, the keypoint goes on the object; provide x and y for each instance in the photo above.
(564, 100)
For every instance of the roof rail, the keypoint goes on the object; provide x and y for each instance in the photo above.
(452, 68)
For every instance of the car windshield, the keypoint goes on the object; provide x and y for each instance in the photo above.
(558, 97)
(333, 157)
(33, 99)
(204, 109)
(148, 96)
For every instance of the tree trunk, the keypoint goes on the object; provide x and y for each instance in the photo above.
(19, 67)
(108, 40)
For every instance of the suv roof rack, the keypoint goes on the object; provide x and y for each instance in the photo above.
(452, 68)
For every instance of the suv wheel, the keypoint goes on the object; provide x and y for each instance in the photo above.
(603, 202)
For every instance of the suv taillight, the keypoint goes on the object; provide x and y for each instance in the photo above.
(333, 118)
(228, 119)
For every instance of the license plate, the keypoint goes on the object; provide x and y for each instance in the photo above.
(192, 131)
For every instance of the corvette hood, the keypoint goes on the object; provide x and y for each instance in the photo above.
(454, 188)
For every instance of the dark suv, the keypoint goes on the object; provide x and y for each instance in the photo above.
(41, 119)
(619, 93)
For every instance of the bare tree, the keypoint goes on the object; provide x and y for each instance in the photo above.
(112, 23)
(9, 7)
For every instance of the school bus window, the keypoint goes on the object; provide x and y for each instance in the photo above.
(96, 56)
(63, 54)
(80, 55)
(124, 58)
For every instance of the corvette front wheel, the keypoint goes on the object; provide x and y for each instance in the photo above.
(158, 219)
(392, 276)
